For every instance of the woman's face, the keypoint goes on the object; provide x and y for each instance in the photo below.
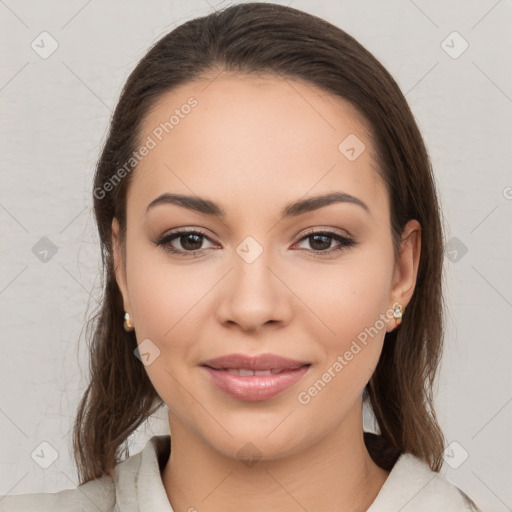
(253, 278)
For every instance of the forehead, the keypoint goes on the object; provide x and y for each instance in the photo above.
(240, 136)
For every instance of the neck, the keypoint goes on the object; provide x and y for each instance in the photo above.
(335, 473)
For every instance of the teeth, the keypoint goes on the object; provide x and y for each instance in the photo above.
(248, 373)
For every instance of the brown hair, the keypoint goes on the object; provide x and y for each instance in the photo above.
(285, 42)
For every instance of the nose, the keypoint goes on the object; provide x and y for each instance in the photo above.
(254, 294)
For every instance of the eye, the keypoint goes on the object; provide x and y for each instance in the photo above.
(320, 242)
(190, 242)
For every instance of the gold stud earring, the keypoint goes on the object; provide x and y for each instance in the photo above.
(397, 315)
(128, 324)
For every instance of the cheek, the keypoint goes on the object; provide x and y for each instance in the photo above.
(352, 303)
(165, 298)
(171, 308)
(164, 295)
(346, 297)
(351, 351)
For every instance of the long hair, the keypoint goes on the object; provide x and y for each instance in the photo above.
(287, 43)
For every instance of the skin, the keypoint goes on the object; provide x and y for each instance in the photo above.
(254, 144)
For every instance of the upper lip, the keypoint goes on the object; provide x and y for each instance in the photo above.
(261, 362)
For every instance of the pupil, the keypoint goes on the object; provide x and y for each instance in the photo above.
(187, 238)
(326, 243)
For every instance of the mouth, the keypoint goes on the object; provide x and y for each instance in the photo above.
(254, 378)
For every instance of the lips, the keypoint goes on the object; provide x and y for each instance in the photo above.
(254, 378)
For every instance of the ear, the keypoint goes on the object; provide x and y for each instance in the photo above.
(120, 265)
(406, 266)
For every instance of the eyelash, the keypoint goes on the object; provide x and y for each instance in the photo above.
(164, 242)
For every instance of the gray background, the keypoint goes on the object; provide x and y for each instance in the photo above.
(55, 112)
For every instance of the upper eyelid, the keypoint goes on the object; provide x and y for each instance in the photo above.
(308, 231)
(335, 231)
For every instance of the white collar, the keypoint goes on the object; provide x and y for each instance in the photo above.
(410, 486)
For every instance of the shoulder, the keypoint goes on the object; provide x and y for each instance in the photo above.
(97, 495)
(135, 480)
(413, 486)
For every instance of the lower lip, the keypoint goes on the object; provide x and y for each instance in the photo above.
(255, 387)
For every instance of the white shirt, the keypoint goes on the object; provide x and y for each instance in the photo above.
(137, 487)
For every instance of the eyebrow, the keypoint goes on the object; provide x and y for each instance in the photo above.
(208, 207)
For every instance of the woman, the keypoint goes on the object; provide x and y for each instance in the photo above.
(272, 251)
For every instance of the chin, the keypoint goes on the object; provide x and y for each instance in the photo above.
(252, 441)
